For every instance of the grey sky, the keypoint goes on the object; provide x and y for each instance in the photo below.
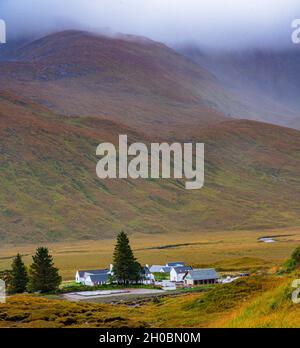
(213, 23)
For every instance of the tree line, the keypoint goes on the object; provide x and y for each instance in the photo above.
(42, 276)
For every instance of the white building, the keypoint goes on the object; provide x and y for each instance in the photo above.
(177, 273)
(97, 279)
(103, 276)
(165, 268)
(201, 277)
(147, 276)
(82, 275)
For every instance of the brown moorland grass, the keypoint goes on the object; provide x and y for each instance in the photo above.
(225, 250)
(249, 302)
(272, 309)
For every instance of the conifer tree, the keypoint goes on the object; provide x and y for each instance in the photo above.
(43, 276)
(126, 268)
(19, 276)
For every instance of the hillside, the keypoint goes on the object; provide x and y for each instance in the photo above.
(145, 84)
(50, 191)
(63, 94)
(131, 80)
(265, 81)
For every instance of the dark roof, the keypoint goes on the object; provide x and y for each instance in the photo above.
(146, 270)
(92, 271)
(166, 269)
(203, 274)
(182, 269)
(99, 278)
(173, 264)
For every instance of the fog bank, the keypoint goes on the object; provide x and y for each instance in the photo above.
(211, 23)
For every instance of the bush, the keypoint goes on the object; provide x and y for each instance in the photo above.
(294, 262)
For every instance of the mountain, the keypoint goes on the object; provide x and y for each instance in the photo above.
(50, 191)
(266, 82)
(145, 84)
(63, 94)
(132, 80)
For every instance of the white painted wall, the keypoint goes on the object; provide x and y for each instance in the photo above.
(176, 277)
(78, 279)
(88, 281)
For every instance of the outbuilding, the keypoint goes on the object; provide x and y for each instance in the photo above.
(201, 277)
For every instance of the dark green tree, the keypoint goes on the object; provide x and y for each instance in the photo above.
(19, 277)
(43, 276)
(126, 268)
(294, 262)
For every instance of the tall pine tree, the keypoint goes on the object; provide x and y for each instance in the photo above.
(126, 269)
(43, 276)
(19, 276)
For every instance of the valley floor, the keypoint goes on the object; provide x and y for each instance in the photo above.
(261, 300)
(224, 250)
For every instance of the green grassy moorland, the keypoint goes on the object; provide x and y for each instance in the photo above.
(251, 302)
(50, 191)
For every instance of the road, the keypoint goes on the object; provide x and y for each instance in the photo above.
(112, 295)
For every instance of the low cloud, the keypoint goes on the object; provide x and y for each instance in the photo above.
(212, 23)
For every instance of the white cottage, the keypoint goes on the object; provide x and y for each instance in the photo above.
(147, 277)
(81, 275)
(177, 273)
(97, 279)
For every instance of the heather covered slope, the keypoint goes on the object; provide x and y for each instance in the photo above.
(50, 192)
(132, 80)
(145, 84)
(48, 173)
(64, 94)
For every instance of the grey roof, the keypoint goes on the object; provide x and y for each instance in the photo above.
(146, 270)
(156, 268)
(203, 274)
(175, 264)
(99, 278)
(182, 269)
(166, 269)
(92, 271)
